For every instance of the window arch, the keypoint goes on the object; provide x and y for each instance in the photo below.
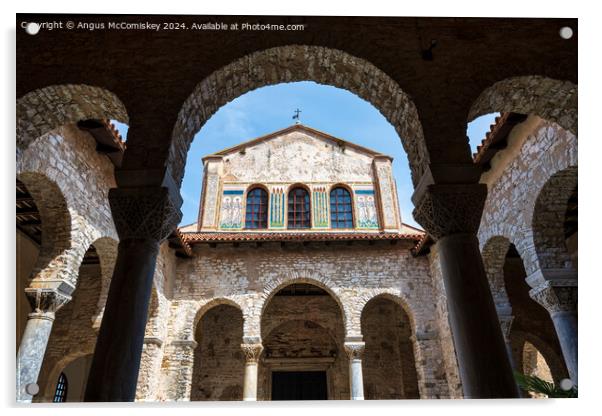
(60, 394)
(298, 208)
(257, 209)
(341, 209)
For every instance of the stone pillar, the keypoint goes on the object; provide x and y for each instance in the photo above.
(150, 369)
(143, 217)
(355, 352)
(45, 301)
(560, 300)
(181, 368)
(451, 214)
(252, 353)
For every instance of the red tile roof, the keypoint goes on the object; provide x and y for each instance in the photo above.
(233, 237)
(496, 138)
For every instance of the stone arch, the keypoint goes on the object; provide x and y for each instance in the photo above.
(292, 63)
(43, 110)
(550, 99)
(391, 351)
(393, 295)
(210, 304)
(57, 227)
(553, 360)
(548, 220)
(272, 288)
(47, 393)
(494, 253)
(218, 360)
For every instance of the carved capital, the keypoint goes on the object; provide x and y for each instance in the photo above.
(451, 208)
(252, 352)
(46, 301)
(556, 296)
(355, 350)
(144, 213)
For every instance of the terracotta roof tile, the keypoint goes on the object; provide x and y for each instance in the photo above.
(228, 237)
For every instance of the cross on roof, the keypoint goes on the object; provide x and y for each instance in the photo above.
(296, 116)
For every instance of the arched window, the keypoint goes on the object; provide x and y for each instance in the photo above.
(341, 212)
(60, 394)
(257, 209)
(298, 208)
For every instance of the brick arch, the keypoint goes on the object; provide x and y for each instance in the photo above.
(550, 99)
(548, 220)
(43, 110)
(294, 63)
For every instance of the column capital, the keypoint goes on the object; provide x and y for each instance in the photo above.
(45, 301)
(147, 213)
(252, 352)
(556, 296)
(355, 350)
(446, 209)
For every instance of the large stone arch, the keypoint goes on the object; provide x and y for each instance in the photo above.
(57, 249)
(554, 361)
(550, 99)
(274, 287)
(383, 293)
(391, 351)
(43, 110)
(212, 303)
(47, 394)
(293, 63)
(548, 220)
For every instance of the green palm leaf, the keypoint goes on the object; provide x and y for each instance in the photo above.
(537, 385)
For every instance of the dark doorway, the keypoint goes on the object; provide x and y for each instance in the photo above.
(299, 385)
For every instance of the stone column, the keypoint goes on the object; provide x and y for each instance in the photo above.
(252, 353)
(143, 217)
(560, 300)
(451, 214)
(45, 301)
(355, 352)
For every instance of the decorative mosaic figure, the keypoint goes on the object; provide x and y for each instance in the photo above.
(231, 211)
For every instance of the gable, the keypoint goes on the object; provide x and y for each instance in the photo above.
(298, 156)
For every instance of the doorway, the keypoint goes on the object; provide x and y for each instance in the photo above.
(299, 385)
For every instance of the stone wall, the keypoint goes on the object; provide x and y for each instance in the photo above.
(69, 181)
(537, 151)
(248, 276)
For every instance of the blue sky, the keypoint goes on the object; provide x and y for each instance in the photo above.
(329, 109)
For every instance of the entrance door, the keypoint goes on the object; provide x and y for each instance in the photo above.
(299, 385)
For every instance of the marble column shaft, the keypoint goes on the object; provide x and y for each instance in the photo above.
(355, 352)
